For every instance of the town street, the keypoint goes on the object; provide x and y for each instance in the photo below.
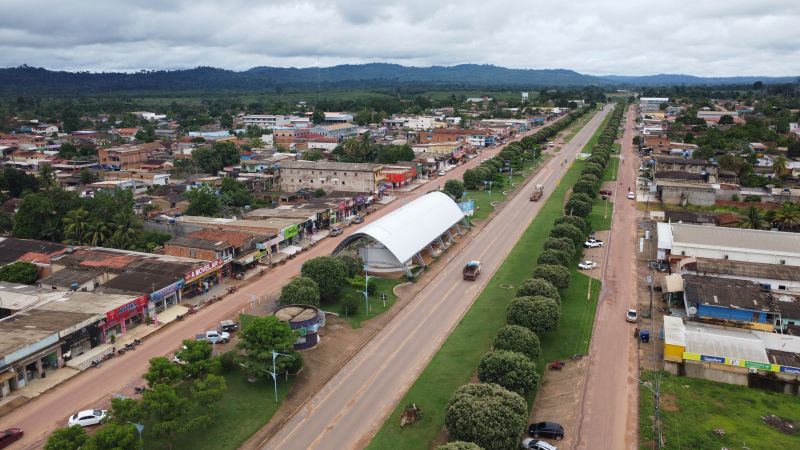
(94, 387)
(351, 407)
(609, 416)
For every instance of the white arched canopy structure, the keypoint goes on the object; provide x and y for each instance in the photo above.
(410, 229)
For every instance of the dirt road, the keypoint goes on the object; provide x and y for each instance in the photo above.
(95, 387)
(350, 408)
(608, 418)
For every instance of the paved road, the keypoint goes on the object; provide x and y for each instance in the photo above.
(608, 419)
(94, 387)
(350, 408)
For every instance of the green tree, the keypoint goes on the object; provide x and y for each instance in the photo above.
(301, 290)
(318, 117)
(593, 169)
(76, 226)
(114, 436)
(511, 370)
(753, 219)
(313, 154)
(566, 230)
(125, 229)
(454, 188)
(99, 232)
(19, 272)
(556, 274)
(329, 272)
(87, 176)
(578, 222)
(234, 193)
(163, 371)
(197, 358)
(486, 414)
(473, 178)
(576, 207)
(779, 165)
(538, 314)
(585, 187)
(258, 338)
(167, 415)
(561, 244)
(556, 257)
(47, 177)
(16, 182)
(6, 222)
(70, 438)
(538, 286)
(787, 216)
(518, 339)
(203, 201)
(355, 265)
(726, 119)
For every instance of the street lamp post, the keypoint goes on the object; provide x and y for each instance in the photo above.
(139, 429)
(274, 372)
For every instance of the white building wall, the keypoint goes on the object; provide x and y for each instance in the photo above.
(752, 255)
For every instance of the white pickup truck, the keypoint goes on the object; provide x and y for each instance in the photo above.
(221, 337)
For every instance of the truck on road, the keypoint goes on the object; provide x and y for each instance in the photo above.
(472, 270)
(538, 191)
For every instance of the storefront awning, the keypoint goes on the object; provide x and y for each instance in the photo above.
(249, 258)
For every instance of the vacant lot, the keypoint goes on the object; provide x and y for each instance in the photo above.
(693, 409)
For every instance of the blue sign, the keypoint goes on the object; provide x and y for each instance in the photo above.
(792, 370)
(714, 359)
(468, 205)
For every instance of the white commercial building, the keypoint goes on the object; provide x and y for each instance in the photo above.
(735, 244)
(266, 120)
(651, 104)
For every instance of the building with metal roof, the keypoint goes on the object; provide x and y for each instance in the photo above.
(401, 235)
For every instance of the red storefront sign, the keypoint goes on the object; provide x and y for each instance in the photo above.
(202, 270)
(125, 311)
(401, 177)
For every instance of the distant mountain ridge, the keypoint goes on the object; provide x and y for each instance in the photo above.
(31, 80)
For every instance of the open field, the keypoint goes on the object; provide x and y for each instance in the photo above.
(691, 409)
(376, 305)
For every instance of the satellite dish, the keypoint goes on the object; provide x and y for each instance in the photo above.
(692, 311)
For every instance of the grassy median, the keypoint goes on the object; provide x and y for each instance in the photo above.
(454, 364)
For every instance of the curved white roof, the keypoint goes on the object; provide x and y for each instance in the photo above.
(413, 226)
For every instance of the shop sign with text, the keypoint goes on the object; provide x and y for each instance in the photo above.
(202, 270)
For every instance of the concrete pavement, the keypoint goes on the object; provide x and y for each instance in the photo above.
(351, 407)
(95, 387)
(609, 415)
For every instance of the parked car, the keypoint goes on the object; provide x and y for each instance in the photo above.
(221, 336)
(442, 173)
(631, 196)
(587, 265)
(228, 325)
(88, 418)
(550, 430)
(335, 231)
(10, 435)
(632, 316)
(593, 243)
(535, 444)
(358, 219)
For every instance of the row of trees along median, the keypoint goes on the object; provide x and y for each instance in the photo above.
(516, 152)
(493, 413)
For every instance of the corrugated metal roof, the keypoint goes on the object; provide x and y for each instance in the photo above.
(739, 238)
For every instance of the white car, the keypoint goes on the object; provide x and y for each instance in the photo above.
(442, 173)
(593, 243)
(536, 444)
(88, 417)
(631, 316)
(587, 265)
(631, 196)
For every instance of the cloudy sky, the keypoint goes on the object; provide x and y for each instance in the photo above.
(626, 37)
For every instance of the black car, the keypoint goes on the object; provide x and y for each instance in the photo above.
(550, 430)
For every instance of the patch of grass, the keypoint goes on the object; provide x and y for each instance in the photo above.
(483, 201)
(454, 364)
(692, 408)
(600, 217)
(578, 305)
(245, 408)
(611, 171)
(384, 286)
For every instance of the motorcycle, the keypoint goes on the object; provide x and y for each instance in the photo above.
(232, 289)
(191, 310)
(139, 389)
(129, 347)
(96, 363)
(120, 352)
(179, 317)
(137, 341)
(556, 365)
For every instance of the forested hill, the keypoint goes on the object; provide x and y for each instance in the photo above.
(26, 80)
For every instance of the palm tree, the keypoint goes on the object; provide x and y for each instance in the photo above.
(47, 177)
(779, 165)
(126, 229)
(752, 219)
(99, 232)
(787, 216)
(76, 226)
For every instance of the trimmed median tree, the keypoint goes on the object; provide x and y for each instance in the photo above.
(554, 257)
(537, 286)
(460, 445)
(518, 339)
(556, 274)
(569, 231)
(538, 314)
(514, 371)
(486, 414)
(562, 244)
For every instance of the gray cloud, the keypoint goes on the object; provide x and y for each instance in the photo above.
(710, 38)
